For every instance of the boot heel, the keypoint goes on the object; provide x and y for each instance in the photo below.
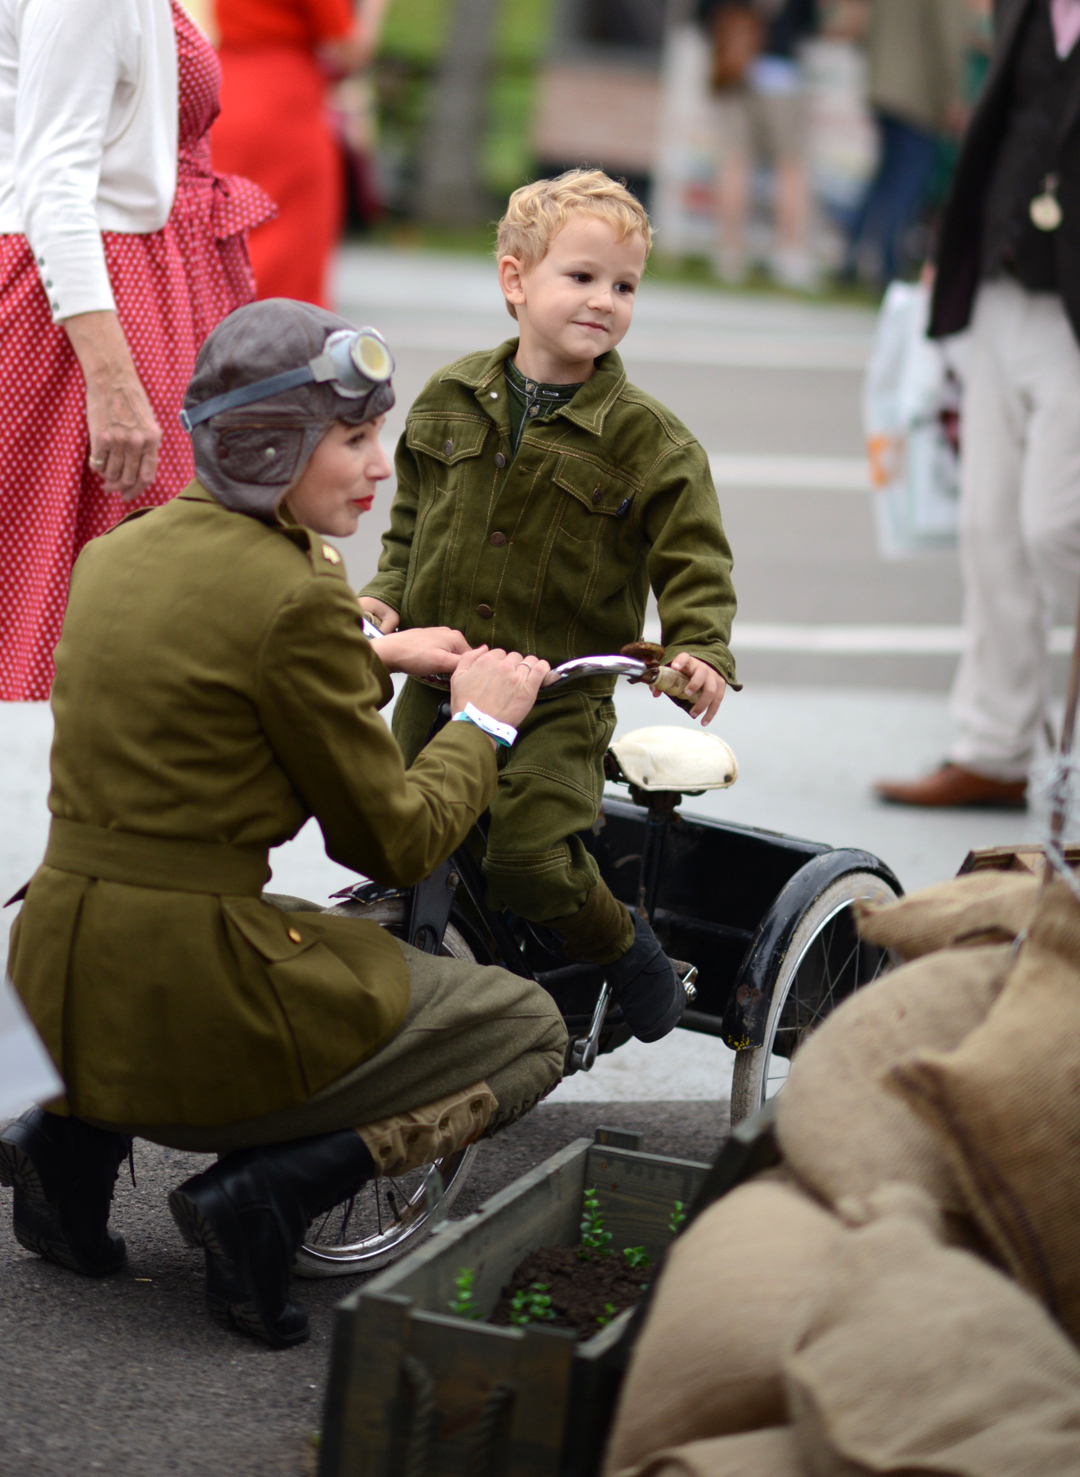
(195, 1225)
(18, 1171)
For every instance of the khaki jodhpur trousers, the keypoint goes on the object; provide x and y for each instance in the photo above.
(551, 784)
(1019, 521)
(466, 1024)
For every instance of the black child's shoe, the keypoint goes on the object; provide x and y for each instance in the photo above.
(249, 1213)
(63, 1172)
(644, 984)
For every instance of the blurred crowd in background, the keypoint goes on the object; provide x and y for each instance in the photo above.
(804, 141)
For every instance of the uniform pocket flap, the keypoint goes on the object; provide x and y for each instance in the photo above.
(273, 935)
(597, 490)
(448, 440)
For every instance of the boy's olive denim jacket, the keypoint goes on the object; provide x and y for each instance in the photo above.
(554, 552)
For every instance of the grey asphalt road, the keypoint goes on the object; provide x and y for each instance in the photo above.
(127, 1376)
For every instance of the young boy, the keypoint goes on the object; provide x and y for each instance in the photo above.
(539, 496)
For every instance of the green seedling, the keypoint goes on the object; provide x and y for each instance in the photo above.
(678, 1215)
(464, 1305)
(604, 1318)
(636, 1256)
(531, 1304)
(593, 1235)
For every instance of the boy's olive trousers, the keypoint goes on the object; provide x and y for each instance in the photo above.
(550, 787)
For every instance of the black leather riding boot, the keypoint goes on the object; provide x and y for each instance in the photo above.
(644, 983)
(249, 1213)
(63, 1172)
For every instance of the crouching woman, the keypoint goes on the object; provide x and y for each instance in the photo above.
(213, 691)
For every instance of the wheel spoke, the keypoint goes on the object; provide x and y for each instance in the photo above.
(826, 964)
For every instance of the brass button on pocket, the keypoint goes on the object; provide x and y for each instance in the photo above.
(448, 447)
(485, 612)
(296, 936)
(498, 539)
(597, 497)
(500, 460)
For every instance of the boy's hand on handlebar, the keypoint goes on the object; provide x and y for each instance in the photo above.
(705, 687)
(385, 616)
(502, 684)
(426, 651)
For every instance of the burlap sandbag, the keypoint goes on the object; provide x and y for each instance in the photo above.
(771, 1453)
(981, 908)
(1005, 1106)
(917, 1358)
(841, 1130)
(707, 1362)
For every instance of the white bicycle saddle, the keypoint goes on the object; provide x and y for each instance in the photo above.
(675, 759)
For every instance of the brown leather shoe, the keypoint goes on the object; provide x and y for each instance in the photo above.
(952, 785)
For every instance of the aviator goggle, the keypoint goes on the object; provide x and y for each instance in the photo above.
(353, 362)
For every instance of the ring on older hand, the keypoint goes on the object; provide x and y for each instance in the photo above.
(97, 462)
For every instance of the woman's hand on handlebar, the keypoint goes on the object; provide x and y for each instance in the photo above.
(384, 616)
(502, 684)
(425, 651)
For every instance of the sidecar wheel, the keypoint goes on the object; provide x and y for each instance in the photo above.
(824, 963)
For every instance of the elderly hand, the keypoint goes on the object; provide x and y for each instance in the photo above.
(706, 687)
(384, 616)
(424, 651)
(124, 434)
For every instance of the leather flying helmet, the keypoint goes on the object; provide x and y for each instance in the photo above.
(268, 384)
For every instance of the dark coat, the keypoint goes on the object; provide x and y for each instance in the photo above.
(960, 242)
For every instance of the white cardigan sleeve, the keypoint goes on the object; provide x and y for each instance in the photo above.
(71, 66)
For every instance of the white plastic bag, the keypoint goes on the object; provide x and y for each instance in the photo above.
(911, 405)
(27, 1074)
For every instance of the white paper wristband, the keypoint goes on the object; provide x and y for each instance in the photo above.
(502, 733)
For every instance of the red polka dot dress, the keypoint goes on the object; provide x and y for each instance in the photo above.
(171, 288)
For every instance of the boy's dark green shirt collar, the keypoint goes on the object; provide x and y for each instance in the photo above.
(588, 409)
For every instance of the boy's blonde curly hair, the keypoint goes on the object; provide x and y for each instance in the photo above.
(537, 213)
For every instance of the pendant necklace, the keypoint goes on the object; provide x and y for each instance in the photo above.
(1045, 209)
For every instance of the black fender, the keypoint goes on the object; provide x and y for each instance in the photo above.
(743, 1023)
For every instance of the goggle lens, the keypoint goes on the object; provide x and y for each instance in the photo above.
(372, 357)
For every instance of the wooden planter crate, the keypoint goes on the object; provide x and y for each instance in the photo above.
(417, 1392)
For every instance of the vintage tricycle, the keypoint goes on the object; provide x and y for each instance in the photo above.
(764, 921)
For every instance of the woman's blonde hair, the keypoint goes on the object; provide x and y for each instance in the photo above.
(537, 213)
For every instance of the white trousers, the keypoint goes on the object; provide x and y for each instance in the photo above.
(1019, 521)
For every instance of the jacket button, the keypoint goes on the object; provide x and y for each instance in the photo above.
(500, 460)
(296, 936)
(498, 539)
(485, 612)
(448, 447)
(596, 496)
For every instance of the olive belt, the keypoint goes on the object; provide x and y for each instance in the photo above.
(156, 861)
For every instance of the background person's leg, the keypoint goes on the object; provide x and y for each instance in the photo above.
(911, 152)
(734, 146)
(1050, 495)
(999, 692)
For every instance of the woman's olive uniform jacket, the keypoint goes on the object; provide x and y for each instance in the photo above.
(213, 690)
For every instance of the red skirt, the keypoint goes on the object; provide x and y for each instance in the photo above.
(273, 129)
(171, 288)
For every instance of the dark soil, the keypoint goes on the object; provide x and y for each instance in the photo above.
(580, 1286)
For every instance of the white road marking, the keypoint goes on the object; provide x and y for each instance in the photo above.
(795, 473)
(863, 640)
